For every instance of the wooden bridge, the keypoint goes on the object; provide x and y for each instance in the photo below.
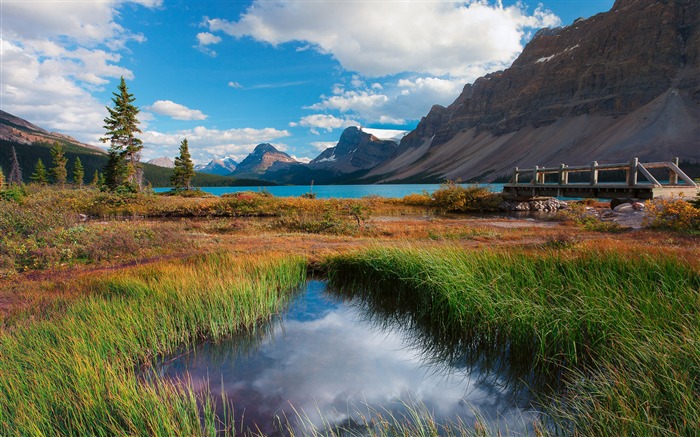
(554, 181)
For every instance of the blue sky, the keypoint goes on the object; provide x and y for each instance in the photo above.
(228, 75)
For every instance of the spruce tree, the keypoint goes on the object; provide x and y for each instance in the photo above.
(183, 172)
(78, 172)
(2, 179)
(123, 167)
(59, 160)
(40, 175)
(95, 178)
(15, 177)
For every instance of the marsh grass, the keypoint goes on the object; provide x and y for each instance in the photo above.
(621, 330)
(76, 372)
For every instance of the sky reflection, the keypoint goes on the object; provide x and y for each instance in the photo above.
(324, 359)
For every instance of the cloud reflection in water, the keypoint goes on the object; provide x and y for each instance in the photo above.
(325, 359)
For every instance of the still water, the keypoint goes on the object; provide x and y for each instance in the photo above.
(328, 360)
(337, 191)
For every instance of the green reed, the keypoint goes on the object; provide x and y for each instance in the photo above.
(623, 328)
(77, 372)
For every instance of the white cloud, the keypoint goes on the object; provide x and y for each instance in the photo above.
(393, 102)
(206, 38)
(206, 144)
(175, 110)
(436, 38)
(323, 145)
(326, 122)
(235, 85)
(53, 58)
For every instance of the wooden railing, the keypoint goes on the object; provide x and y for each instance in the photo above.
(632, 171)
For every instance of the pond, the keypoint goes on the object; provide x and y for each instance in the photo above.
(328, 361)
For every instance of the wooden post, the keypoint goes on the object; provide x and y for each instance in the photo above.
(516, 175)
(632, 173)
(594, 173)
(563, 175)
(535, 175)
(672, 175)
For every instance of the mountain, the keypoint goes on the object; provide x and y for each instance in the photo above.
(356, 150)
(17, 130)
(620, 84)
(164, 162)
(33, 143)
(218, 166)
(261, 159)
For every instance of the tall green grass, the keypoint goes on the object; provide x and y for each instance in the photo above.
(622, 329)
(76, 373)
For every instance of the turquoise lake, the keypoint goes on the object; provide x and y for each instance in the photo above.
(337, 191)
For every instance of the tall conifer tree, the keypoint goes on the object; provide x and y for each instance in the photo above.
(123, 167)
(40, 175)
(78, 172)
(2, 179)
(15, 177)
(183, 172)
(59, 161)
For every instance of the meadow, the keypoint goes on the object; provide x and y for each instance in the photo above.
(95, 288)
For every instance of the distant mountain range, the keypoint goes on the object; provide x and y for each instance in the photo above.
(33, 143)
(220, 167)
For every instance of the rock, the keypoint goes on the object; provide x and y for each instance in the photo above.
(549, 204)
(638, 206)
(624, 208)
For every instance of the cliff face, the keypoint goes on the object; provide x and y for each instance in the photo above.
(620, 84)
(356, 150)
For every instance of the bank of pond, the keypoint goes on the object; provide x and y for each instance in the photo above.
(386, 341)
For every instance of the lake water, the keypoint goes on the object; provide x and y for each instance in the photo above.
(328, 360)
(337, 191)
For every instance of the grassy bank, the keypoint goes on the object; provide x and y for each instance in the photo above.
(75, 372)
(623, 327)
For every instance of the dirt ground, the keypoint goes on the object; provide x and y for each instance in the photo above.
(33, 290)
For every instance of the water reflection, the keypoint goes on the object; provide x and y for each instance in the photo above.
(333, 359)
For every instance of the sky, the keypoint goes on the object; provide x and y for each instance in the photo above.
(228, 75)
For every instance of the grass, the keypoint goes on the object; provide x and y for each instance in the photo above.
(623, 328)
(75, 373)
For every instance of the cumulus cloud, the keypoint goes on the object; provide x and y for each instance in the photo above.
(322, 145)
(55, 56)
(325, 121)
(436, 38)
(206, 144)
(395, 101)
(175, 110)
(205, 39)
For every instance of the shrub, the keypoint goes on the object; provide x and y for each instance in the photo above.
(675, 214)
(456, 198)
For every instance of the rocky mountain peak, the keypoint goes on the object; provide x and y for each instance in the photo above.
(355, 150)
(261, 158)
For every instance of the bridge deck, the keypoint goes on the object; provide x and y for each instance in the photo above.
(679, 184)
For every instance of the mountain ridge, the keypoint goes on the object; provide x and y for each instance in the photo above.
(616, 85)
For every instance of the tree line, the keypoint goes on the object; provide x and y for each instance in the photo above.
(123, 171)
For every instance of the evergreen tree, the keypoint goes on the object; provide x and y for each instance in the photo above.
(2, 179)
(95, 178)
(123, 167)
(15, 177)
(78, 172)
(40, 175)
(183, 172)
(59, 160)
